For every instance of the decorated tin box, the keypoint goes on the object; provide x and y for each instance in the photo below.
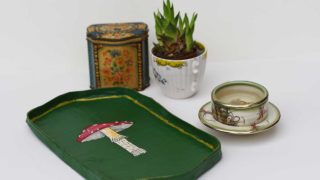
(118, 55)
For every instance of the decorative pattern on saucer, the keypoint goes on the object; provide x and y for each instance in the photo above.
(206, 117)
(230, 117)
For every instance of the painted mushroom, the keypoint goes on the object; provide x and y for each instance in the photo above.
(110, 130)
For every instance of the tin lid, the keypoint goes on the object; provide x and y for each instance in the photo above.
(117, 31)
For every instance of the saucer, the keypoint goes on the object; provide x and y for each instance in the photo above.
(205, 116)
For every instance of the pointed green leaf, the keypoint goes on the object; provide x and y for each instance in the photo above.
(176, 19)
(188, 40)
(171, 12)
(180, 23)
(158, 29)
(165, 10)
(192, 23)
(186, 20)
(165, 23)
(192, 29)
(157, 19)
(193, 20)
(168, 3)
(172, 32)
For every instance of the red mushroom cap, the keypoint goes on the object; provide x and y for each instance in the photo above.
(93, 129)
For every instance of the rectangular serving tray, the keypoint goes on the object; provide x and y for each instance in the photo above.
(175, 149)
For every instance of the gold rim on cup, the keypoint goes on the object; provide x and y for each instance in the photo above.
(244, 106)
(239, 103)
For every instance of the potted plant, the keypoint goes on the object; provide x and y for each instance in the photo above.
(178, 60)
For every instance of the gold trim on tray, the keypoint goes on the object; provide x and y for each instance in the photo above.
(166, 121)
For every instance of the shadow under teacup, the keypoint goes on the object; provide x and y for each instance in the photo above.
(239, 103)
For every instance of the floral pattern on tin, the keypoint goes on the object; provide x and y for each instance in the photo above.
(117, 67)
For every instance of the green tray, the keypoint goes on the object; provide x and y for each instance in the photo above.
(175, 149)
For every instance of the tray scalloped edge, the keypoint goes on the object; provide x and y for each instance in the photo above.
(37, 112)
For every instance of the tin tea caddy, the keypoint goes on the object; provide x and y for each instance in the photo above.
(118, 55)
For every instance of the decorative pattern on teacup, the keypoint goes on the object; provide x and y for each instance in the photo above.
(158, 77)
(227, 116)
(173, 64)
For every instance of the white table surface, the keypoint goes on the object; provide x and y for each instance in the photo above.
(291, 150)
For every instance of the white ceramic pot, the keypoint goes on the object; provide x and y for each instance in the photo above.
(179, 78)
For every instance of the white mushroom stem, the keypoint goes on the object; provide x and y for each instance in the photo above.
(123, 142)
(133, 149)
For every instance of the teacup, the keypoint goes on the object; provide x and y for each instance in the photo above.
(239, 103)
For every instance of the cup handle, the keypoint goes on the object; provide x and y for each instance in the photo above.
(194, 86)
(195, 71)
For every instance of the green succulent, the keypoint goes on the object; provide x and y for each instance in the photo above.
(174, 33)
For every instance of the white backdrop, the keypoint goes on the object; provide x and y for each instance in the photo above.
(232, 30)
(43, 54)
